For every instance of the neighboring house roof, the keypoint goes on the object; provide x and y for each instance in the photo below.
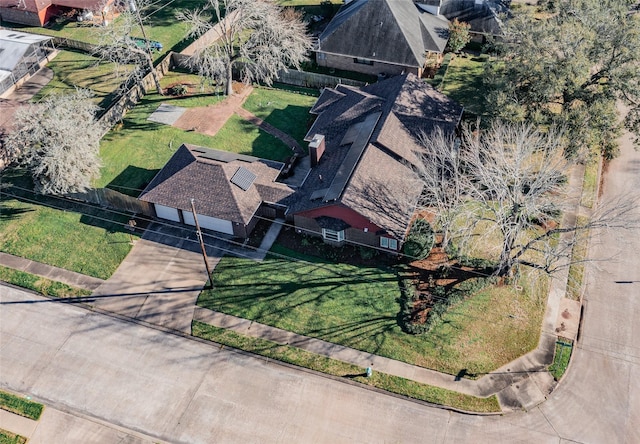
(391, 31)
(224, 185)
(13, 47)
(484, 18)
(89, 5)
(378, 125)
(26, 5)
(39, 5)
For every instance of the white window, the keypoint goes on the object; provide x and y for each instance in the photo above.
(330, 235)
(386, 242)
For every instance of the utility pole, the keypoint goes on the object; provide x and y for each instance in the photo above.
(202, 247)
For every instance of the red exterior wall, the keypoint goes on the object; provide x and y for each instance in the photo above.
(354, 219)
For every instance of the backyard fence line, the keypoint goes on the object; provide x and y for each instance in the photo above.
(313, 79)
(106, 197)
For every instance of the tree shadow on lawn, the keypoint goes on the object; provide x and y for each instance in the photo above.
(17, 184)
(8, 213)
(132, 180)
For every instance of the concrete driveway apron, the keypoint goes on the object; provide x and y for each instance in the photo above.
(160, 279)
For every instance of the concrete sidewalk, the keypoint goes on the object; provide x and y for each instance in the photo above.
(161, 278)
(47, 271)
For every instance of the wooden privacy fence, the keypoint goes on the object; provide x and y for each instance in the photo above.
(115, 200)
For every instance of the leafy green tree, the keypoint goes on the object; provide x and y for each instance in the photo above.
(458, 35)
(569, 68)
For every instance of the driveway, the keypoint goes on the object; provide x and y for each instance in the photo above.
(160, 279)
(182, 390)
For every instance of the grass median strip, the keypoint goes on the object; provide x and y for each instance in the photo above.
(561, 358)
(11, 438)
(303, 358)
(20, 406)
(42, 285)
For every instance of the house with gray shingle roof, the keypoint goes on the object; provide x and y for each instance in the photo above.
(360, 185)
(364, 145)
(382, 37)
(230, 191)
(485, 17)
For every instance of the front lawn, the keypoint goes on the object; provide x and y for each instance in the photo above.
(287, 111)
(81, 238)
(358, 307)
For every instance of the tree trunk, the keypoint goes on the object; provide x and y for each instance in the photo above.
(229, 80)
(154, 74)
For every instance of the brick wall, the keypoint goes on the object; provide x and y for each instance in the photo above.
(346, 63)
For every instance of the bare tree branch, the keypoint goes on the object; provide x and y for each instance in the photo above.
(257, 37)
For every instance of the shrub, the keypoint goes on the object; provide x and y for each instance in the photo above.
(178, 90)
(442, 301)
(419, 241)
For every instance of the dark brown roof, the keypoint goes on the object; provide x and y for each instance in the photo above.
(205, 175)
(392, 31)
(383, 186)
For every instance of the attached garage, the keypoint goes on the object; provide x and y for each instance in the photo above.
(167, 213)
(210, 223)
(228, 189)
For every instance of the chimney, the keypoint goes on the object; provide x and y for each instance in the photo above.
(316, 149)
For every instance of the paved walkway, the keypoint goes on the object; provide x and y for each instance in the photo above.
(54, 273)
(161, 278)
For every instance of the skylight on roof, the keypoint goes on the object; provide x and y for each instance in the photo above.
(243, 178)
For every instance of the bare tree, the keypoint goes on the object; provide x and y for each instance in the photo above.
(58, 141)
(504, 190)
(256, 36)
(132, 56)
(439, 172)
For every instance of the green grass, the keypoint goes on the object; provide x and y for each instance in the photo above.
(590, 184)
(287, 111)
(74, 69)
(160, 26)
(64, 238)
(42, 285)
(133, 152)
(20, 406)
(358, 307)
(243, 137)
(334, 367)
(11, 438)
(577, 268)
(463, 83)
(561, 358)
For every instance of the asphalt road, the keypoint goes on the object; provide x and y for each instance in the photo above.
(180, 390)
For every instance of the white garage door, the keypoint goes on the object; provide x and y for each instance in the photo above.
(211, 223)
(167, 213)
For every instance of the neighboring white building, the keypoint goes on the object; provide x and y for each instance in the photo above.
(21, 56)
